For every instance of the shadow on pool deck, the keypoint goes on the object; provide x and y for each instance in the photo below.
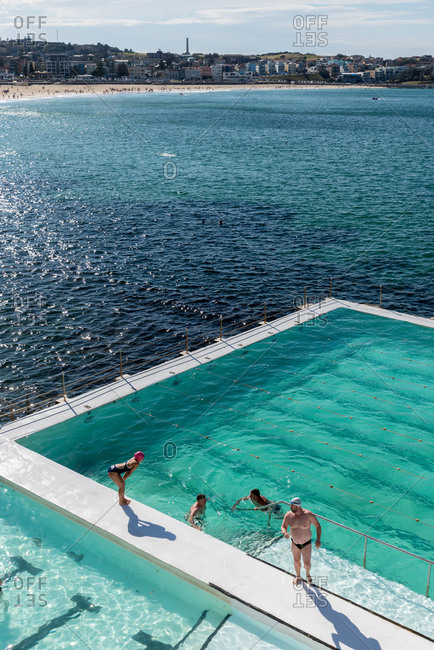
(141, 528)
(347, 633)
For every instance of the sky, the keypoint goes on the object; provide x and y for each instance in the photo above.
(386, 28)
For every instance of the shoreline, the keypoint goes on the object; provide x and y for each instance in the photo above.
(13, 92)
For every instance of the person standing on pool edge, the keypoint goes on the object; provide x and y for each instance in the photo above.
(115, 473)
(299, 521)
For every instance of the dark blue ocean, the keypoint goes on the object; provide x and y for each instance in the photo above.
(127, 219)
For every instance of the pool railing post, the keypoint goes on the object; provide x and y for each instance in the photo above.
(330, 290)
(381, 292)
(221, 328)
(12, 413)
(428, 581)
(265, 313)
(364, 552)
(186, 340)
(304, 301)
(27, 404)
(63, 384)
(120, 363)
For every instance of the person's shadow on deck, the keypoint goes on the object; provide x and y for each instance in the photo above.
(347, 634)
(141, 528)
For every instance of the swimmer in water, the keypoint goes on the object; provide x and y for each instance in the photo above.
(256, 497)
(115, 473)
(196, 514)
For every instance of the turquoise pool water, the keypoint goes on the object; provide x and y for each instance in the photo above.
(342, 402)
(64, 587)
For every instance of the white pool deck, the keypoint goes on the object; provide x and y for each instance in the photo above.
(325, 620)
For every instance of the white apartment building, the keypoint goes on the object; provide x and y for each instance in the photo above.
(139, 71)
(217, 71)
(391, 72)
(192, 74)
(58, 66)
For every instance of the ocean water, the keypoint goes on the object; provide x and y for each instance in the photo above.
(110, 214)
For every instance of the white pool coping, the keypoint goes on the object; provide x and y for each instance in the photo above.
(122, 387)
(192, 555)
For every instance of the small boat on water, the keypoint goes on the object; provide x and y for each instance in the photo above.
(375, 98)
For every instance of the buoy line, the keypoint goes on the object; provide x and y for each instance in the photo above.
(297, 433)
(349, 417)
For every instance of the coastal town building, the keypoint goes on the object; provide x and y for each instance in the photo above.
(28, 60)
(139, 71)
(238, 76)
(217, 71)
(58, 65)
(6, 75)
(192, 74)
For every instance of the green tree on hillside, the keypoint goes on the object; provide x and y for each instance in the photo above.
(122, 70)
(99, 70)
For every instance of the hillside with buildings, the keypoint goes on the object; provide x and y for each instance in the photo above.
(43, 61)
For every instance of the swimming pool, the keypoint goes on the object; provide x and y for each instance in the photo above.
(65, 586)
(337, 411)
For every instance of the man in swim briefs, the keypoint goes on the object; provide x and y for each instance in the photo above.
(115, 473)
(260, 501)
(197, 512)
(299, 521)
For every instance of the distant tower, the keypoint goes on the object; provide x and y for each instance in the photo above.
(186, 46)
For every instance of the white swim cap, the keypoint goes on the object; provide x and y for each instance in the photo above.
(296, 501)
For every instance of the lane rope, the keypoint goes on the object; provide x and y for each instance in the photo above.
(287, 469)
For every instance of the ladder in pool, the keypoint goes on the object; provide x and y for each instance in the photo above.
(205, 634)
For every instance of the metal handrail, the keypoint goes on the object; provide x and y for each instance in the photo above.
(17, 409)
(374, 539)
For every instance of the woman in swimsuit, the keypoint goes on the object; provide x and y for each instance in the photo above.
(115, 473)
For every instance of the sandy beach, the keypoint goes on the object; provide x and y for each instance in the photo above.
(14, 91)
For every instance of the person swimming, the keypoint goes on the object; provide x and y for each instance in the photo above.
(256, 497)
(116, 470)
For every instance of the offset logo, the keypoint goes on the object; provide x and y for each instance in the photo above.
(170, 171)
(30, 591)
(30, 23)
(169, 450)
(308, 31)
(29, 310)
